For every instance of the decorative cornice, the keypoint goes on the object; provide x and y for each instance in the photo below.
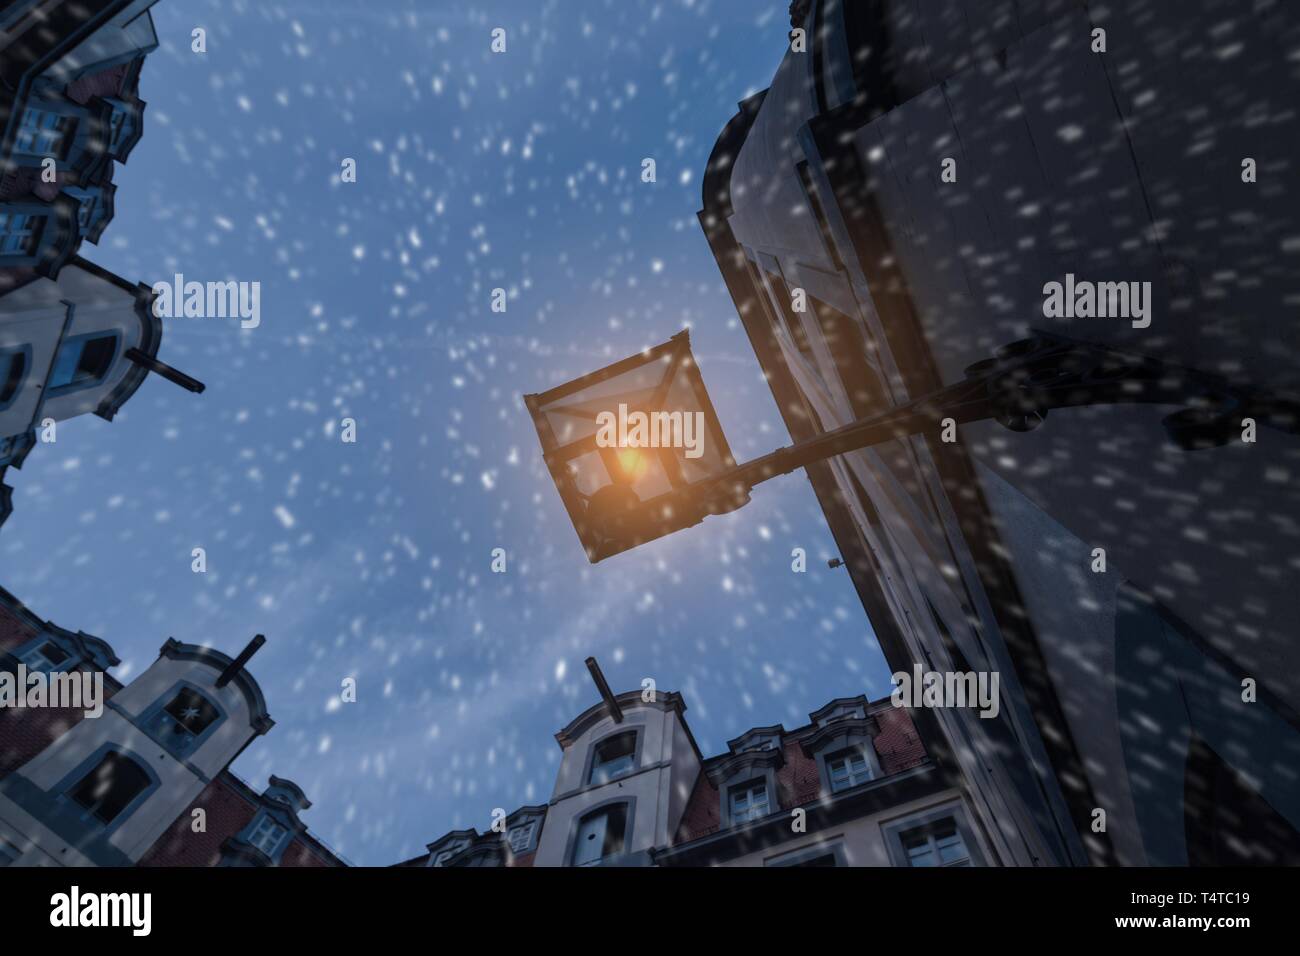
(731, 765)
(777, 730)
(628, 701)
(300, 803)
(821, 713)
(526, 813)
(471, 834)
(857, 727)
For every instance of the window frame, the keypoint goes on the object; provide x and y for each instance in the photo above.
(282, 838)
(749, 786)
(149, 720)
(84, 339)
(22, 239)
(529, 829)
(855, 748)
(588, 780)
(928, 822)
(833, 848)
(606, 806)
(60, 136)
(35, 648)
(78, 775)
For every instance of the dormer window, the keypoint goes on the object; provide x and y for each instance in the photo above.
(847, 768)
(183, 721)
(749, 801)
(614, 757)
(268, 835)
(190, 712)
(45, 657)
(442, 857)
(843, 745)
(521, 837)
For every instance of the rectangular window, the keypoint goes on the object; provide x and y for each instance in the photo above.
(268, 835)
(45, 657)
(613, 758)
(41, 133)
(83, 360)
(749, 801)
(18, 233)
(521, 838)
(847, 769)
(600, 835)
(940, 845)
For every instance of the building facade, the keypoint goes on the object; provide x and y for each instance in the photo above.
(854, 787)
(147, 781)
(889, 216)
(74, 338)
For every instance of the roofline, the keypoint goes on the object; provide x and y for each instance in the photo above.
(85, 642)
(245, 790)
(876, 796)
(811, 729)
(715, 187)
(629, 700)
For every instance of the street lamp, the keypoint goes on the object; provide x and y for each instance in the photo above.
(603, 435)
(625, 485)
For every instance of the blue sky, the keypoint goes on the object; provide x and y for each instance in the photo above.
(371, 560)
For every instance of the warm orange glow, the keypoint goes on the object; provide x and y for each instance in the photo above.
(633, 463)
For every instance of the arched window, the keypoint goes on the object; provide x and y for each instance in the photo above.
(601, 834)
(183, 720)
(110, 787)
